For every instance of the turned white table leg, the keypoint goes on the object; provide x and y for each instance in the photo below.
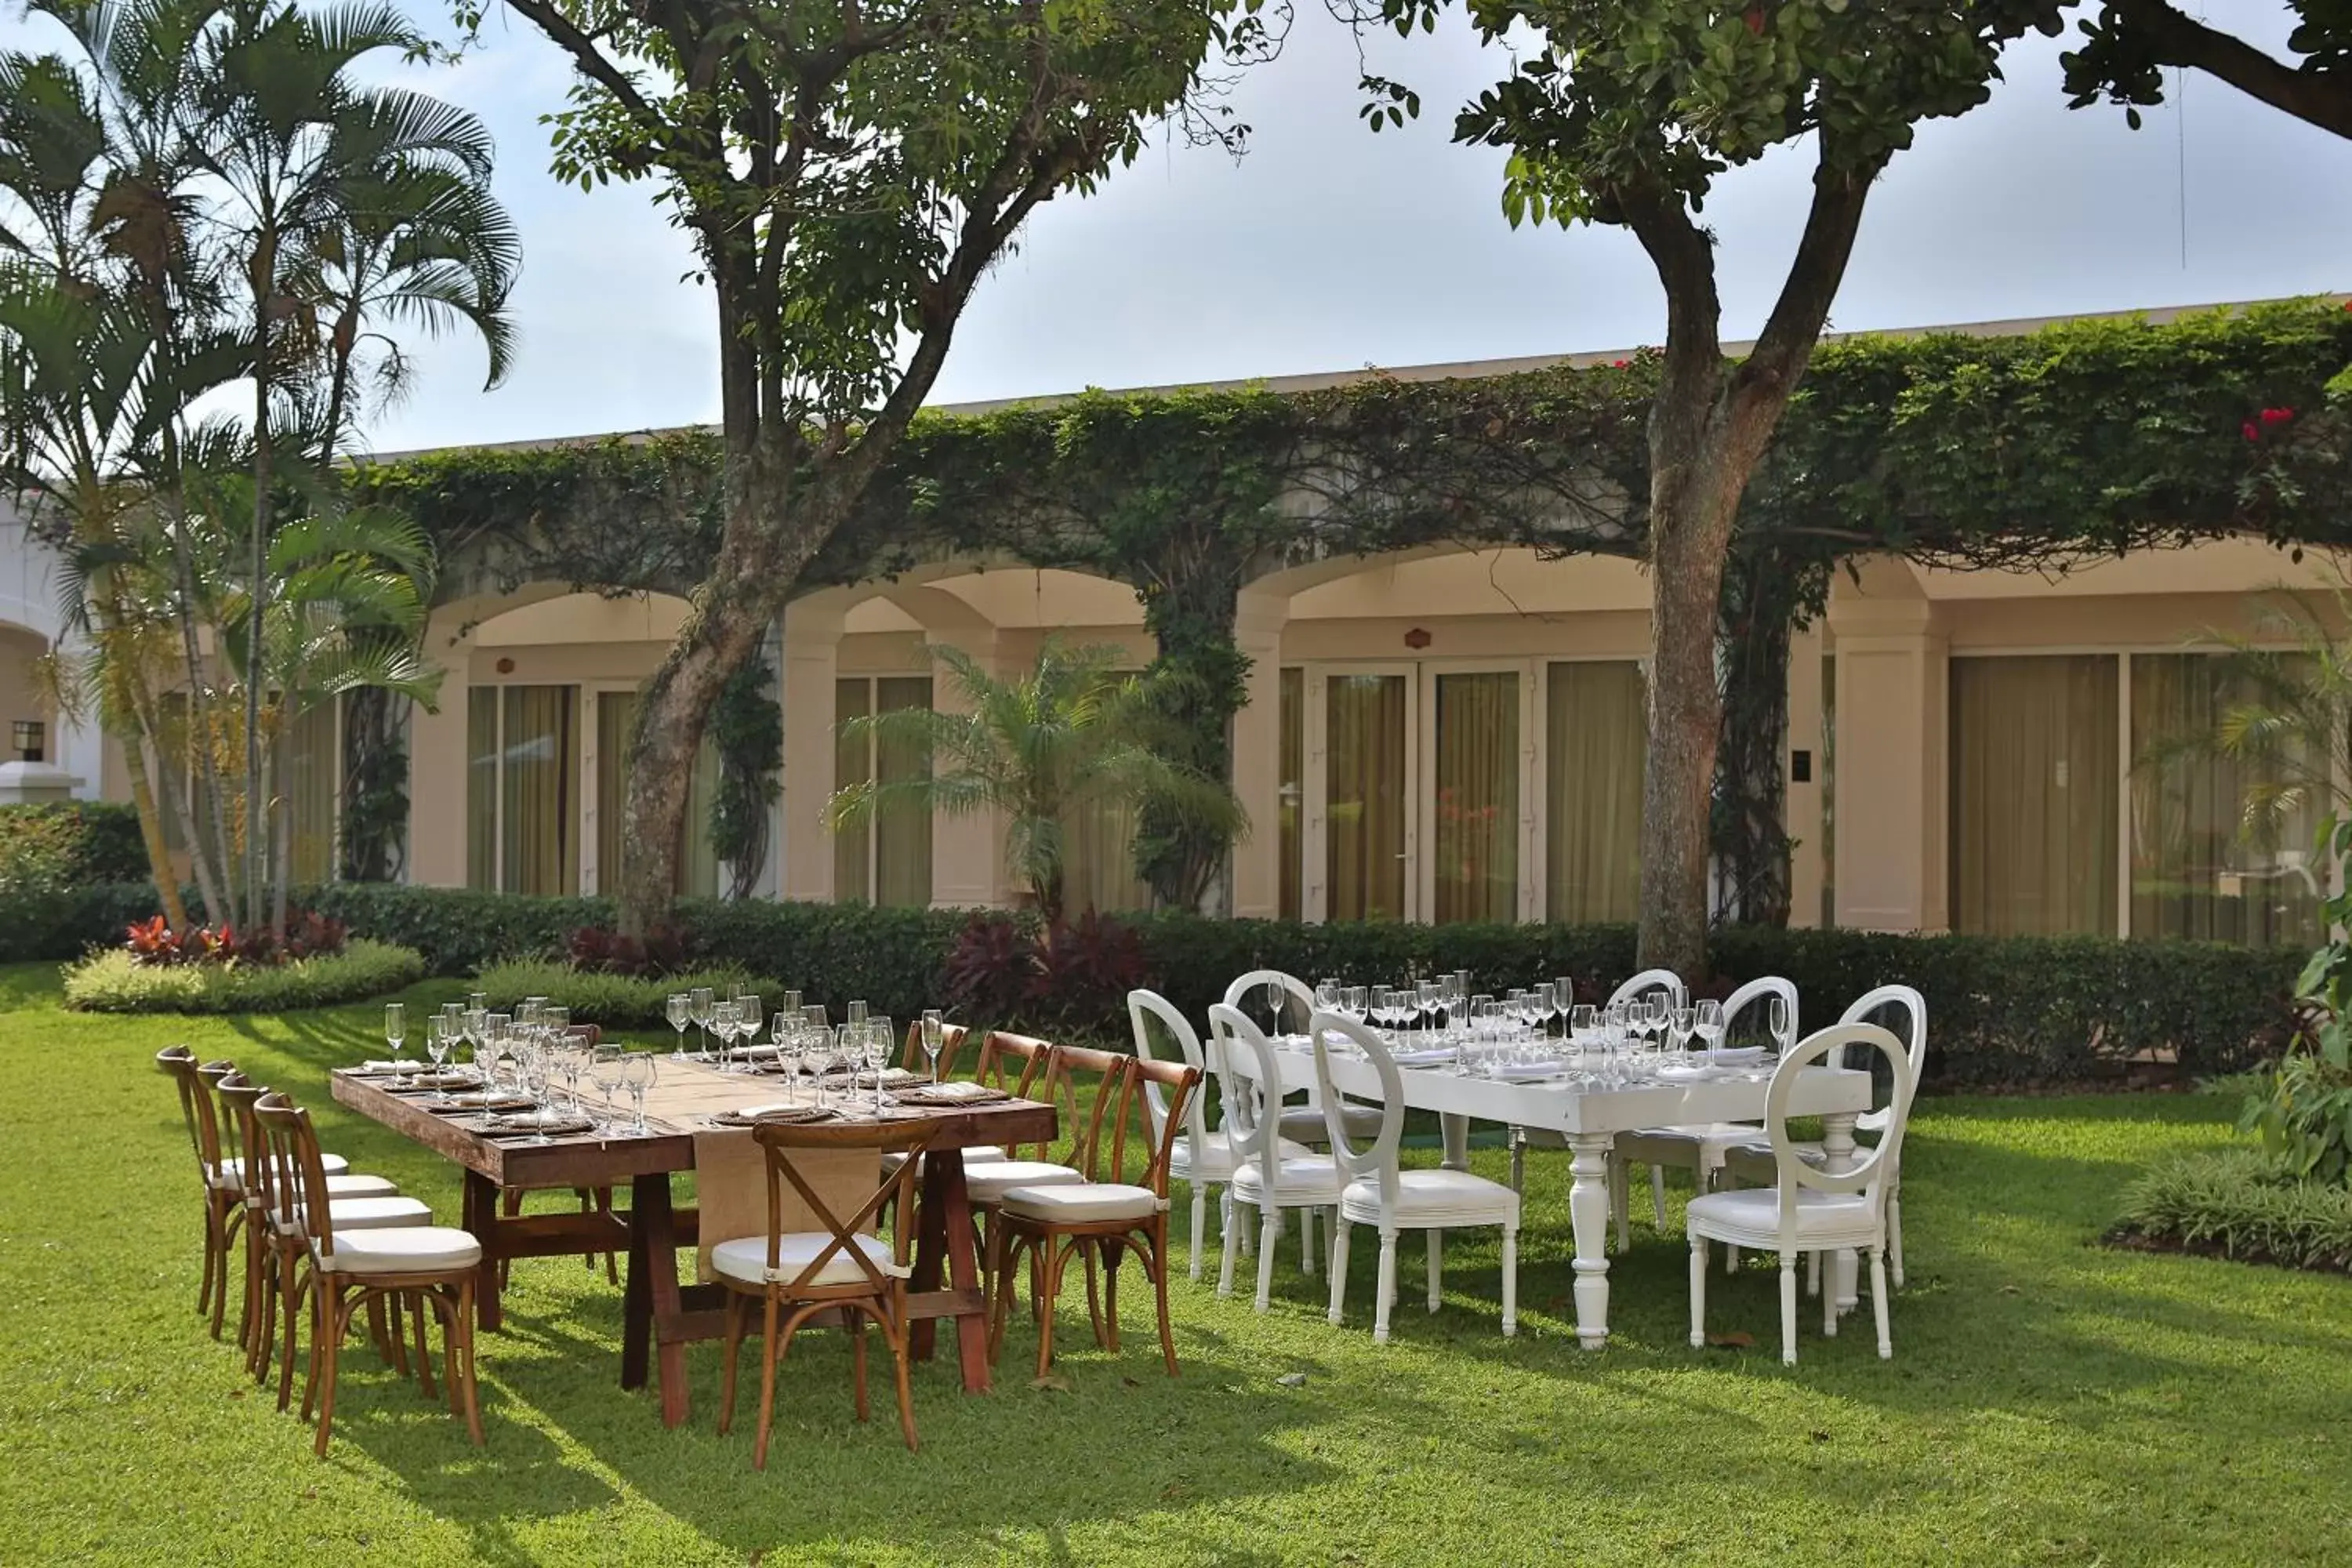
(1837, 1157)
(1588, 1208)
(1456, 1132)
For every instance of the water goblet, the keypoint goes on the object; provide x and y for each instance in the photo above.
(1679, 1023)
(436, 1045)
(680, 1009)
(698, 1009)
(935, 1038)
(638, 1074)
(1547, 1004)
(749, 1019)
(1707, 1022)
(1353, 1005)
(1328, 997)
(395, 1027)
(605, 1070)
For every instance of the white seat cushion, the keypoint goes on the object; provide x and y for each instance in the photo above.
(1217, 1156)
(1433, 1200)
(1299, 1181)
(364, 1214)
(1750, 1217)
(403, 1249)
(1305, 1123)
(1083, 1202)
(349, 1185)
(230, 1174)
(989, 1183)
(745, 1260)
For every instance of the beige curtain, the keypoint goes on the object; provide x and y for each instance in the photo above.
(2035, 778)
(1596, 730)
(1098, 860)
(1478, 777)
(482, 786)
(698, 871)
(1364, 796)
(310, 790)
(2196, 872)
(902, 833)
(852, 848)
(1291, 716)
(540, 791)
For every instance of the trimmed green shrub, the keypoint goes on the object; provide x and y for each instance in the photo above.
(2003, 1011)
(111, 981)
(2240, 1204)
(65, 922)
(612, 1001)
(71, 843)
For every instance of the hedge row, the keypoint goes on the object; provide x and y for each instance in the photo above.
(2003, 1011)
(111, 981)
(69, 843)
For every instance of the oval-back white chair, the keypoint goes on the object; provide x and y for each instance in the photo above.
(1650, 980)
(1300, 1123)
(1200, 1158)
(1809, 1209)
(1270, 1172)
(1380, 1194)
(1699, 1149)
(1753, 1161)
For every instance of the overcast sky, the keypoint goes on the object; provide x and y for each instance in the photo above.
(1329, 247)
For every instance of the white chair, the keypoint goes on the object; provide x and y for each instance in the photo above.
(1699, 1147)
(1379, 1194)
(1523, 1139)
(1300, 1123)
(1807, 1209)
(1752, 1160)
(1200, 1158)
(1272, 1173)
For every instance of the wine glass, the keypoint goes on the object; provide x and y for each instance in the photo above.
(1784, 1021)
(1354, 1004)
(724, 1017)
(681, 1014)
(1328, 997)
(605, 1068)
(1707, 1022)
(699, 1010)
(935, 1037)
(857, 1011)
(573, 1057)
(748, 1018)
(535, 1084)
(395, 1026)
(436, 1045)
(638, 1074)
(1681, 1022)
(1277, 994)
(877, 1054)
(1547, 1004)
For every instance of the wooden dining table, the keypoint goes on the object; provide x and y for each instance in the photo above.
(661, 1314)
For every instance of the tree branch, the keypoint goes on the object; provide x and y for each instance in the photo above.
(1770, 372)
(591, 61)
(2174, 38)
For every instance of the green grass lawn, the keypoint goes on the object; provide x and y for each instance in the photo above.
(2048, 1401)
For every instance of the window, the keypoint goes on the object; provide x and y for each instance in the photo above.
(698, 871)
(1596, 731)
(1476, 830)
(2196, 871)
(522, 795)
(887, 859)
(1289, 840)
(309, 780)
(1364, 795)
(2034, 786)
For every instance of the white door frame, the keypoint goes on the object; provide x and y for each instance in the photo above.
(1527, 841)
(1314, 835)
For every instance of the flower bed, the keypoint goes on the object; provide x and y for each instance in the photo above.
(113, 981)
(2238, 1203)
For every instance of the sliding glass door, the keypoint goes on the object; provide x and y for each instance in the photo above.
(523, 793)
(1368, 739)
(1475, 781)
(1596, 728)
(2034, 793)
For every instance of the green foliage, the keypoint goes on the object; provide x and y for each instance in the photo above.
(2303, 1109)
(67, 844)
(2243, 1204)
(747, 727)
(111, 981)
(2126, 46)
(611, 1001)
(2327, 978)
(458, 930)
(65, 922)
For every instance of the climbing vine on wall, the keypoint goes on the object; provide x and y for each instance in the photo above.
(2033, 452)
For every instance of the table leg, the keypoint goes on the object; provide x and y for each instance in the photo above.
(1588, 1208)
(963, 1271)
(636, 1292)
(480, 1210)
(653, 1253)
(1455, 1130)
(1837, 1157)
(931, 1219)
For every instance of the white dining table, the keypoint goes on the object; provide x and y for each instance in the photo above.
(1590, 1118)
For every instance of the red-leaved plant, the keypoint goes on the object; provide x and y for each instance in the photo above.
(1073, 977)
(600, 951)
(309, 934)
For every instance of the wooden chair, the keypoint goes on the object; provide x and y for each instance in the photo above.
(338, 1272)
(224, 1210)
(1095, 1219)
(952, 1043)
(236, 1096)
(597, 1200)
(796, 1275)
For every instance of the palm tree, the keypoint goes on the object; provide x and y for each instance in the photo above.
(1066, 736)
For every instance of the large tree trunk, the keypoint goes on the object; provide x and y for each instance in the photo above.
(1763, 593)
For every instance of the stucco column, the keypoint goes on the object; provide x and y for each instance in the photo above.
(1803, 808)
(810, 663)
(967, 851)
(1259, 616)
(1893, 744)
(438, 766)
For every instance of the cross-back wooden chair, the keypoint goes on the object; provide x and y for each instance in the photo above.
(224, 1208)
(339, 1270)
(952, 1040)
(1115, 1211)
(592, 1200)
(844, 1267)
